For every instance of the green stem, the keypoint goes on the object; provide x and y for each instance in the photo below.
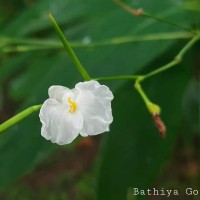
(69, 50)
(25, 48)
(34, 44)
(17, 118)
(23, 44)
(182, 52)
(142, 93)
(25, 41)
(123, 77)
(153, 108)
(145, 14)
(161, 69)
(178, 58)
(141, 12)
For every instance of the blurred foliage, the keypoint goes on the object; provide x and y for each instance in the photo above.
(55, 191)
(132, 153)
(137, 153)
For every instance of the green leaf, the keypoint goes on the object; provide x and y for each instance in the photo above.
(191, 107)
(12, 66)
(98, 61)
(133, 152)
(22, 146)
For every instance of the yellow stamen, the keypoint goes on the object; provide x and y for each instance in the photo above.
(73, 106)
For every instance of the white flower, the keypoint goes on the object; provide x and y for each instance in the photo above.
(86, 109)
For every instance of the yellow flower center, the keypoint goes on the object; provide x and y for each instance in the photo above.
(73, 106)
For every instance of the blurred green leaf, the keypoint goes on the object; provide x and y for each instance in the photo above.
(133, 152)
(98, 16)
(191, 106)
(22, 147)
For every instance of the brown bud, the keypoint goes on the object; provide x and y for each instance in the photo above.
(160, 125)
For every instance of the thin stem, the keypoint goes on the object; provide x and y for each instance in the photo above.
(161, 69)
(145, 14)
(141, 12)
(182, 52)
(178, 58)
(34, 44)
(154, 109)
(142, 93)
(69, 50)
(123, 77)
(137, 38)
(32, 41)
(17, 118)
(25, 48)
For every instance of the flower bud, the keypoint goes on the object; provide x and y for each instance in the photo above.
(159, 124)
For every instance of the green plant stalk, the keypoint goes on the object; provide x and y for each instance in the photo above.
(69, 50)
(153, 108)
(141, 12)
(139, 78)
(122, 77)
(26, 48)
(145, 14)
(19, 117)
(31, 41)
(142, 93)
(178, 58)
(23, 44)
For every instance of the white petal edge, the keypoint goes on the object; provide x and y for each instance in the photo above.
(58, 125)
(94, 101)
(88, 85)
(57, 92)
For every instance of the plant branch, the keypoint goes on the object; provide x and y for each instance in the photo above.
(141, 12)
(122, 77)
(178, 58)
(24, 44)
(19, 117)
(69, 50)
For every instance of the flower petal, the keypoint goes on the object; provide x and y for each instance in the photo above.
(94, 102)
(57, 92)
(58, 125)
(83, 134)
(88, 85)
